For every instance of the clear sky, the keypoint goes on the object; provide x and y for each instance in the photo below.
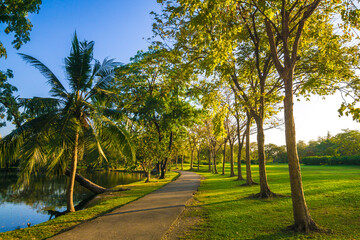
(120, 28)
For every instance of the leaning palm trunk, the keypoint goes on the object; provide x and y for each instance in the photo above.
(93, 187)
(70, 190)
(60, 123)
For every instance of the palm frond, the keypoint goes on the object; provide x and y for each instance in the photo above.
(33, 158)
(78, 64)
(103, 69)
(57, 89)
(95, 132)
(37, 106)
(121, 140)
(114, 114)
(59, 158)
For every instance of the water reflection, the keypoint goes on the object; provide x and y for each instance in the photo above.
(35, 204)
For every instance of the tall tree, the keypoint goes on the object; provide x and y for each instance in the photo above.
(9, 106)
(240, 125)
(231, 138)
(216, 25)
(249, 179)
(286, 22)
(152, 92)
(14, 15)
(221, 41)
(193, 141)
(71, 118)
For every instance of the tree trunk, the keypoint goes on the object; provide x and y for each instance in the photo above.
(70, 190)
(148, 173)
(224, 158)
(182, 162)
(249, 180)
(176, 162)
(198, 159)
(86, 183)
(192, 159)
(240, 177)
(163, 165)
(209, 170)
(232, 173)
(265, 191)
(303, 220)
(240, 146)
(157, 166)
(214, 162)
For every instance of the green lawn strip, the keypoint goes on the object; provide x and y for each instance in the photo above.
(332, 194)
(102, 206)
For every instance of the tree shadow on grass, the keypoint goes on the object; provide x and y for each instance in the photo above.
(287, 233)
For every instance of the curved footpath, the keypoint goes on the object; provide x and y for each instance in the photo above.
(146, 218)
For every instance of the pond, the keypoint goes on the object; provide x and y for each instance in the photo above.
(37, 202)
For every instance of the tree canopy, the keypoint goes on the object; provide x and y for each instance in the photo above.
(14, 14)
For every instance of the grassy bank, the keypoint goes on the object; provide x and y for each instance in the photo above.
(332, 194)
(104, 204)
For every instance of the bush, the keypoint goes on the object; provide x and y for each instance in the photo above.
(253, 162)
(328, 160)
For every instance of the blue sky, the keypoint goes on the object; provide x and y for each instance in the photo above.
(120, 28)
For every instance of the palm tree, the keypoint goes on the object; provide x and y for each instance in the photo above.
(71, 124)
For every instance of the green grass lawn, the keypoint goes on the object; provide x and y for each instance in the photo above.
(105, 204)
(332, 194)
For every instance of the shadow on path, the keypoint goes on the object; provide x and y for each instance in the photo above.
(146, 218)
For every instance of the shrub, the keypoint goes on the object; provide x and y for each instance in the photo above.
(328, 160)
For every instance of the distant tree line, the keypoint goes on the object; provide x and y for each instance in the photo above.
(346, 143)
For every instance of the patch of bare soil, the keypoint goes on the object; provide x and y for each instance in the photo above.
(188, 221)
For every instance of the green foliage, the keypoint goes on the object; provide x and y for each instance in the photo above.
(9, 107)
(329, 160)
(346, 143)
(153, 93)
(276, 154)
(47, 139)
(316, 160)
(14, 14)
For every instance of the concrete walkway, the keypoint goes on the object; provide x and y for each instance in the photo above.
(146, 218)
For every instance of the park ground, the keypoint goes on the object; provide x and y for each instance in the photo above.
(228, 211)
(223, 209)
(103, 204)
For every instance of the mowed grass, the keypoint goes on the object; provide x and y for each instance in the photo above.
(105, 204)
(332, 194)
